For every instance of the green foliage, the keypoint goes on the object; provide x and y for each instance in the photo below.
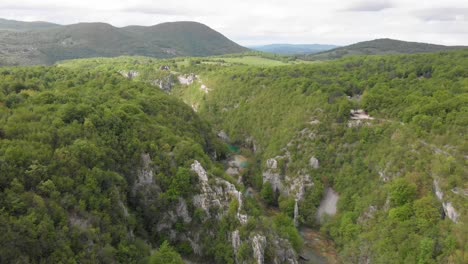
(402, 192)
(70, 155)
(284, 225)
(269, 195)
(166, 255)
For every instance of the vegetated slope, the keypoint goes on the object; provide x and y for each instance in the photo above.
(380, 47)
(293, 49)
(96, 168)
(14, 25)
(400, 173)
(84, 40)
(401, 176)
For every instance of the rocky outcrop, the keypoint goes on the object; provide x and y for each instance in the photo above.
(252, 144)
(129, 74)
(217, 197)
(187, 79)
(236, 165)
(224, 136)
(258, 246)
(449, 210)
(358, 118)
(236, 242)
(272, 175)
(166, 83)
(204, 88)
(284, 253)
(144, 174)
(314, 163)
(298, 186)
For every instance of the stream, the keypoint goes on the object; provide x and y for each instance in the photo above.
(317, 248)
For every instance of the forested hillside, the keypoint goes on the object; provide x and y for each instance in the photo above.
(96, 168)
(23, 43)
(400, 171)
(100, 165)
(391, 169)
(380, 47)
(387, 134)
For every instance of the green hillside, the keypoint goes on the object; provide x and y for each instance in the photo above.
(368, 152)
(14, 25)
(293, 49)
(399, 171)
(386, 169)
(96, 168)
(380, 47)
(84, 40)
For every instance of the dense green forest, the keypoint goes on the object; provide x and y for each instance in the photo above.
(70, 145)
(79, 140)
(387, 168)
(97, 168)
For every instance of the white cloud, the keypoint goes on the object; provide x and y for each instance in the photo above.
(270, 21)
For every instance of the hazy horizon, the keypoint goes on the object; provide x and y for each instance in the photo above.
(270, 22)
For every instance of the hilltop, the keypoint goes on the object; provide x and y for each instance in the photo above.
(28, 43)
(381, 47)
(14, 25)
(292, 49)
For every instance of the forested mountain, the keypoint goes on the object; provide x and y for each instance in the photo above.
(293, 49)
(371, 150)
(380, 47)
(14, 25)
(35, 44)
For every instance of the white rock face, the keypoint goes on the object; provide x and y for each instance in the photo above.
(195, 246)
(314, 163)
(328, 204)
(198, 168)
(358, 118)
(204, 88)
(187, 79)
(298, 186)
(272, 175)
(218, 196)
(258, 246)
(360, 114)
(449, 210)
(284, 253)
(182, 211)
(236, 241)
(145, 174)
(224, 136)
(129, 74)
(274, 179)
(272, 164)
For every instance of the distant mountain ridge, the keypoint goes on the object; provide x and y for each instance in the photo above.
(381, 47)
(293, 49)
(32, 43)
(14, 25)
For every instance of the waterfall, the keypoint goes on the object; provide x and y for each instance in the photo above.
(296, 213)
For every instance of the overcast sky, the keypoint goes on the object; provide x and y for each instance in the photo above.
(251, 22)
